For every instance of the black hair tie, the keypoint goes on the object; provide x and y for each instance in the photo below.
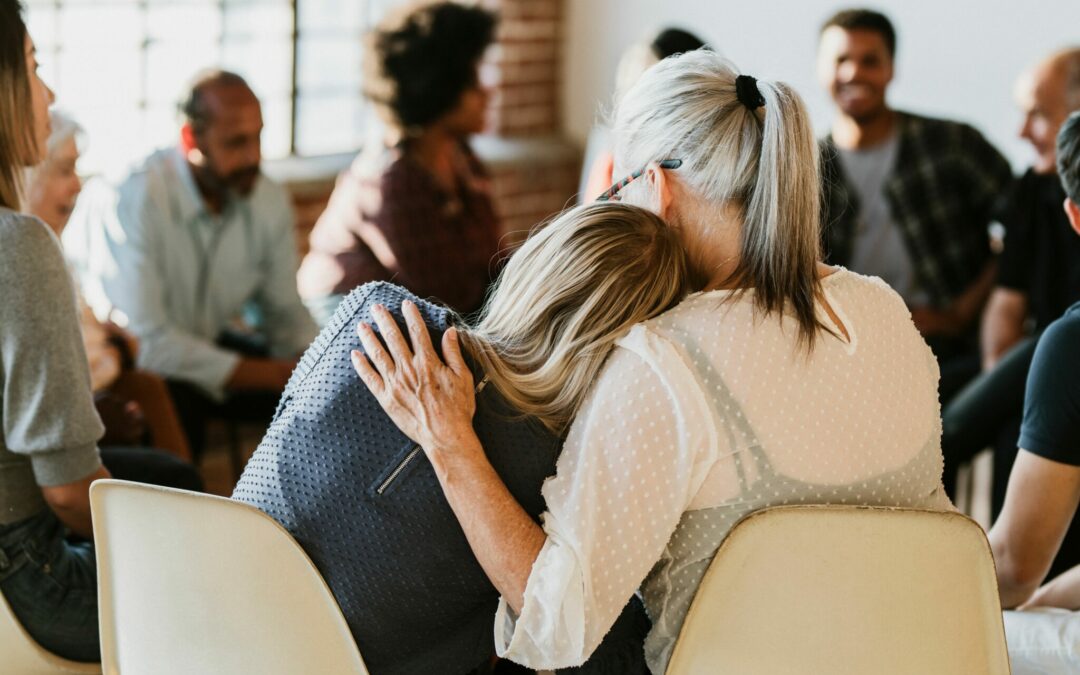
(746, 90)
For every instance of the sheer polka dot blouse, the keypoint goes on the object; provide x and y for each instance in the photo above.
(701, 416)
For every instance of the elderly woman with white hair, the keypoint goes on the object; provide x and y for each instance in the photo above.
(133, 404)
(782, 381)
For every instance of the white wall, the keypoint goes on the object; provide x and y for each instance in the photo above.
(955, 58)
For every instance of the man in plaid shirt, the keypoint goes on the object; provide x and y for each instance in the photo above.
(907, 198)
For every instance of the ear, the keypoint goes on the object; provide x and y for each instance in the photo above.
(662, 188)
(188, 142)
(1072, 210)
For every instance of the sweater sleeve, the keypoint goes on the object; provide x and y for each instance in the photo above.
(48, 413)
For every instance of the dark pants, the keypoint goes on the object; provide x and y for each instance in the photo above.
(195, 409)
(50, 581)
(984, 414)
(988, 413)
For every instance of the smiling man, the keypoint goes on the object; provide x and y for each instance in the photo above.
(195, 238)
(907, 198)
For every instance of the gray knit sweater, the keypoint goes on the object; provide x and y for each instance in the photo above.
(50, 428)
(364, 502)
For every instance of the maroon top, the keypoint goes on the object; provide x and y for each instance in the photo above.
(390, 220)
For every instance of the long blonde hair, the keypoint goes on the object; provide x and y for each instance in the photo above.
(17, 139)
(575, 286)
(764, 161)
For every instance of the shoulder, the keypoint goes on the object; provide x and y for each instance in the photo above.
(152, 177)
(25, 239)
(1059, 346)
(869, 296)
(31, 261)
(947, 133)
(364, 298)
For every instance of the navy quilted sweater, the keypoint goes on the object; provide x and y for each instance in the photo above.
(365, 504)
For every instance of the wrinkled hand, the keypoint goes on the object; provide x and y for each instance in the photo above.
(430, 401)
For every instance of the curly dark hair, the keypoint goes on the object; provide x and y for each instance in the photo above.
(420, 60)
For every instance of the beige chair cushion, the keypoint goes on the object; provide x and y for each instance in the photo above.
(832, 589)
(191, 583)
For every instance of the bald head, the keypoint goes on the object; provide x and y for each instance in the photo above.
(1046, 95)
(222, 128)
(211, 93)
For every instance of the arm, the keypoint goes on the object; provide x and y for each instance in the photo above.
(287, 323)
(1003, 324)
(955, 319)
(48, 413)
(1039, 505)
(130, 276)
(1061, 591)
(71, 503)
(618, 493)
(1044, 487)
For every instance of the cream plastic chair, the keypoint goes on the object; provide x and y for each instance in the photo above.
(846, 590)
(21, 655)
(192, 583)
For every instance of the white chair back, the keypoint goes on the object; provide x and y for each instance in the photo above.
(21, 655)
(192, 583)
(847, 590)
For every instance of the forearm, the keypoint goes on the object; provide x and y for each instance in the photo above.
(1013, 589)
(1061, 591)
(505, 540)
(971, 302)
(1003, 325)
(71, 503)
(254, 374)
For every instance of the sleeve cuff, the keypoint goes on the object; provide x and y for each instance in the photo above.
(550, 631)
(68, 465)
(1056, 451)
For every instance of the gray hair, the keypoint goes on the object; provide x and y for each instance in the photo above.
(763, 161)
(64, 128)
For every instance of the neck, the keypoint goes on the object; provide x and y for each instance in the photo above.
(713, 242)
(854, 134)
(433, 147)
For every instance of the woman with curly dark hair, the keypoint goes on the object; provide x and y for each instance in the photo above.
(416, 210)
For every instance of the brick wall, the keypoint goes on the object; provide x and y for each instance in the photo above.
(534, 169)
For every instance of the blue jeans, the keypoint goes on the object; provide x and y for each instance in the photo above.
(51, 585)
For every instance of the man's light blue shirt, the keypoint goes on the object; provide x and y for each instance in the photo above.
(182, 275)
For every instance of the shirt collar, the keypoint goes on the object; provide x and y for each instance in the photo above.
(190, 200)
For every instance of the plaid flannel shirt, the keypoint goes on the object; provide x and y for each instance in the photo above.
(389, 220)
(942, 194)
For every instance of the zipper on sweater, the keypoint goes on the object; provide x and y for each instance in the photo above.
(404, 463)
(397, 471)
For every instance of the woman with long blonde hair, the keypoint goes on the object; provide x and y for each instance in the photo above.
(364, 501)
(783, 381)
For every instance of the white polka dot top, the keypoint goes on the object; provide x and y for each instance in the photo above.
(701, 416)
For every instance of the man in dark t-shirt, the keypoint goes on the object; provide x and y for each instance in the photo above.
(1044, 486)
(1038, 279)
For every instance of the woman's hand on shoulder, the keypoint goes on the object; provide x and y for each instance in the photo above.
(432, 402)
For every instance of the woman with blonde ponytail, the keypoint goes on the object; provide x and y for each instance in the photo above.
(782, 381)
(366, 505)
